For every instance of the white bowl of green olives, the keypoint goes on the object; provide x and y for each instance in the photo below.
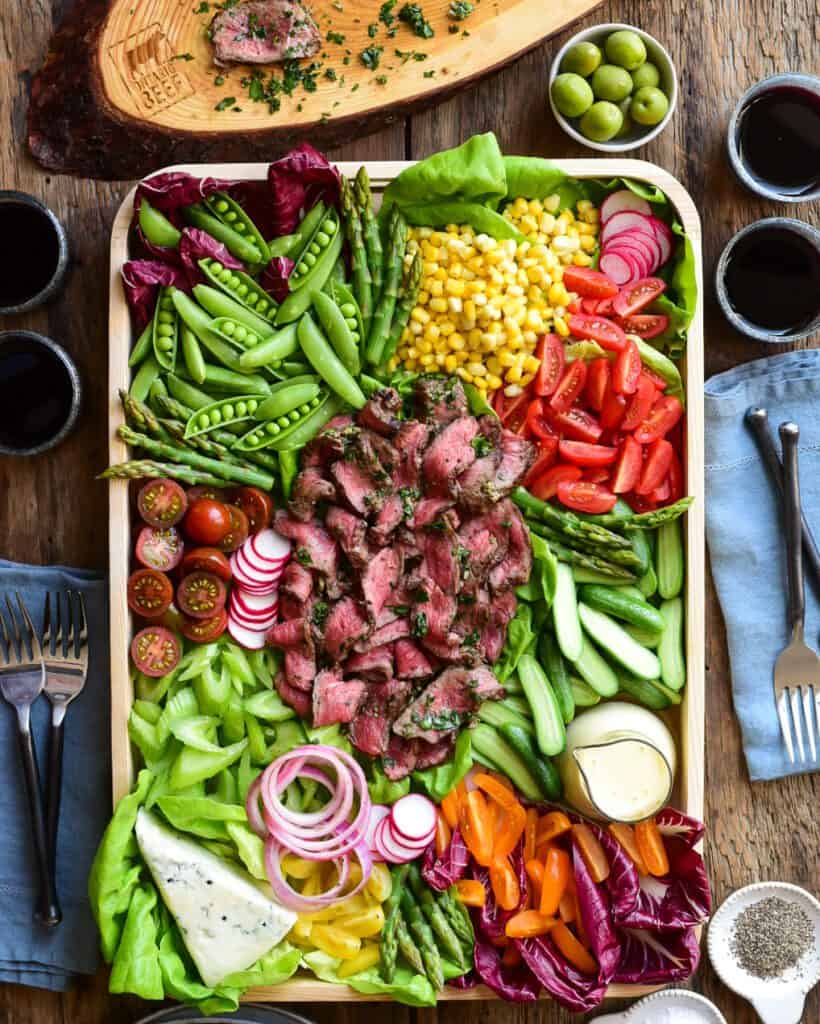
(613, 87)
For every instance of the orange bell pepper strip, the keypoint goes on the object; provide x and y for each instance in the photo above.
(476, 825)
(511, 957)
(592, 852)
(535, 873)
(443, 834)
(504, 884)
(572, 949)
(495, 789)
(449, 808)
(625, 837)
(566, 908)
(509, 830)
(530, 830)
(556, 877)
(551, 825)
(650, 845)
(527, 924)
(471, 892)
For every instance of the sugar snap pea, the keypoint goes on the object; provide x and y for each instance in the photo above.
(157, 389)
(294, 367)
(200, 323)
(218, 304)
(228, 210)
(225, 381)
(185, 392)
(165, 331)
(142, 346)
(267, 433)
(286, 399)
(298, 301)
(241, 247)
(337, 332)
(306, 227)
(239, 286)
(221, 413)
(326, 363)
(235, 332)
(144, 377)
(346, 301)
(314, 252)
(172, 407)
(284, 245)
(300, 433)
(156, 227)
(192, 354)
(277, 347)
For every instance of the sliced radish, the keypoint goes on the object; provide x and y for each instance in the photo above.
(238, 603)
(253, 604)
(253, 640)
(387, 846)
(624, 199)
(378, 812)
(414, 818)
(253, 557)
(270, 545)
(625, 221)
(617, 268)
(640, 238)
(254, 625)
(632, 254)
(663, 234)
(248, 573)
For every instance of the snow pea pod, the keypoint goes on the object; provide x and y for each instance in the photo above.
(235, 332)
(165, 330)
(222, 413)
(299, 299)
(326, 363)
(144, 378)
(239, 286)
(269, 433)
(288, 399)
(228, 210)
(241, 247)
(192, 354)
(185, 393)
(284, 245)
(305, 228)
(338, 332)
(156, 227)
(219, 304)
(314, 253)
(277, 347)
(218, 378)
(200, 323)
(346, 301)
(299, 435)
(142, 346)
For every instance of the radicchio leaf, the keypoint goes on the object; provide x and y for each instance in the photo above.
(195, 245)
(275, 276)
(141, 280)
(652, 959)
(492, 920)
(171, 190)
(298, 181)
(440, 873)
(515, 984)
(465, 981)
(673, 824)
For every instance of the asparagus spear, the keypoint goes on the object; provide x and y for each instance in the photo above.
(362, 284)
(138, 469)
(447, 938)
(420, 929)
(383, 315)
(456, 913)
(372, 236)
(581, 558)
(404, 307)
(160, 449)
(566, 522)
(656, 518)
(140, 416)
(391, 920)
(407, 947)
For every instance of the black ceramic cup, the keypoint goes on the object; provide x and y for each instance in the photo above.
(34, 253)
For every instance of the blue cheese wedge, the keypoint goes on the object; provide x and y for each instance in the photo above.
(226, 921)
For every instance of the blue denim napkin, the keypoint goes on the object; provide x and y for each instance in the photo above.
(746, 539)
(29, 953)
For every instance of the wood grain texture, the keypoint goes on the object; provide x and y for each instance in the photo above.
(51, 510)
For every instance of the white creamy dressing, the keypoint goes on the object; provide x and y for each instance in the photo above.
(673, 1015)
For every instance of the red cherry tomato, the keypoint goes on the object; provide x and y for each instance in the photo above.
(656, 378)
(550, 350)
(596, 476)
(581, 454)
(149, 593)
(574, 305)
(639, 404)
(675, 479)
(612, 410)
(155, 651)
(637, 296)
(656, 466)
(537, 425)
(515, 411)
(161, 503)
(546, 486)
(239, 531)
(588, 283)
(203, 631)
(663, 416)
(645, 325)
(598, 374)
(547, 453)
(577, 425)
(206, 491)
(159, 549)
(584, 496)
(589, 306)
(627, 369)
(256, 504)
(570, 386)
(207, 560)
(627, 470)
(604, 307)
(207, 521)
(662, 492)
(201, 595)
(608, 334)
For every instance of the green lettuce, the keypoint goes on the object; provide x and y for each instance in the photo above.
(406, 987)
(519, 637)
(439, 780)
(471, 173)
(383, 790)
(135, 967)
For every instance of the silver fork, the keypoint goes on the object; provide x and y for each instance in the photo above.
(65, 655)
(22, 676)
(797, 669)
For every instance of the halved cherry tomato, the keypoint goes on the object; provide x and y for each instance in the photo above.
(596, 476)
(604, 307)
(149, 593)
(537, 425)
(201, 595)
(664, 414)
(155, 650)
(578, 425)
(586, 497)
(598, 374)
(515, 411)
(581, 454)
(556, 876)
(205, 491)
(675, 479)
(159, 549)
(550, 350)
(656, 378)
(589, 306)
(658, 460)
(645, 325)
(546, 486)
(574, 305)
(572, 949)
(608, 334)
(639, 404)
(661, 493)
(591, 284)
(638, 503)
(207, 560)
(238, 532)
(162, 503)
(471, 892)
(612, 410)
(627, 369)
(256, 504)
(627, 471)
(204, 631)
(570, 386)
(547, 452)
(637, 296)
(207, 521)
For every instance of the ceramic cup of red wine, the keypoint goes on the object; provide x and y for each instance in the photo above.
(768, 280)
(774, 138)
(34, 262)
(40, 393)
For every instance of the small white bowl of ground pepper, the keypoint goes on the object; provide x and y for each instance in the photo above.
(764, 943)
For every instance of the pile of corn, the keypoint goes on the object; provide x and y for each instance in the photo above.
(483, 302)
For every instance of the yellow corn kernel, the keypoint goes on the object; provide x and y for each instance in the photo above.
(427, 360)
(480, 383)
(526, 379)
(513, 375)
(393, 363)
(335, 942)
(535, 206)
(519, 206)
(493, 365)
(414, 328)
(581, 259)
(432, 332)
(420, 315)
(462, 372)
(455, 341)
(436, 289)
(425, 347)
(551, 203)
(506, 358)
(441, 274)
(531, 364)
(369, 956)
(560, 325)
(438, 305)
(494, 382)
(588, 244)
(450, 364)
(558, 295)
(477, 369)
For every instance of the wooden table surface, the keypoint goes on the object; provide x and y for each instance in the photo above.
(53, 510)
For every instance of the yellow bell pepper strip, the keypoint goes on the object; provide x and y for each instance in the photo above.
(363, 925)
(504, 884)
(530, 832)
(368, 957)
(556, 876)
(592, 852)
(527, 924)
(625, 837)
(380, 883)
(572, 949)
(450, 806)
(443, 834)
(335, 942)
(471, 892)
(650, 845)
(476, 827)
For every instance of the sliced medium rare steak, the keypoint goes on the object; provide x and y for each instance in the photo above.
(315, 548)
(439, 400)
(299, 700)
(411, 661)
(336, 699)
(328, 444)
(450, 453)
(376, 666)
(300, 667)
(264, 32)
(350, 532)
(379, 581)
(356, 486)
(447, 703)
(516, 565)
(517, 455)
(386, 634)
(390, 516)
(428, 510)
(370, 729)
(309, 487)
(290, 633)
(410, 442)
(494, 633)
(428, 755)
(381, 412)
(442, 561)
(346, 624)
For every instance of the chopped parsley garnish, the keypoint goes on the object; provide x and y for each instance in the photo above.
(400, 609)
(303, 557)
(255, 29)
(223, 104)
(381, 79)
(372, 29)
(408, 495)
(330, 74)
(319, 613)
(219, 80)
(420, 626)
(471, 639)
(183, 56)
(406, 55)
(269, 90)
(429, 74)
(203, 8)
(386, 15)
(481, 445)
(371, 56)
(452, 29)
(460, 9)
(412, 15)
(336, 37)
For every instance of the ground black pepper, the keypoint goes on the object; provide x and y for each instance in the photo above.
(771, 936)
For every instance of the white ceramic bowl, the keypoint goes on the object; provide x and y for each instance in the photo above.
(639, 135)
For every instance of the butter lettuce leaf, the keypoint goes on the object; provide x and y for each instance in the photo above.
(472, 172)
(406, 987)
(439, 780)
(135, 967)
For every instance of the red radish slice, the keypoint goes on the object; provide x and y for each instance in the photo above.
(253, 564)
(250, 553)
(387, 847)
(378, 812)
(624, 199)
(254, 604)
(625, 221)
(250, 639)
(413, 817)
(256, 589)
(251, 572)
(617, 268)
(632, 254)
(416, 847)
(254, 625)
(643, 239)
(663, 234)
(238, 603)
(270, 545)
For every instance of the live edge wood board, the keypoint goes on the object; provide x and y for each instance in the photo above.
(687, 721)
(129, 85)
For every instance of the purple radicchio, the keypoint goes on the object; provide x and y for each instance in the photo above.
(491, 920)
(516, 984)
(195, 245)
(298, 181)
(275, 276)
(656, 958)
(442, 872)
(141, 280)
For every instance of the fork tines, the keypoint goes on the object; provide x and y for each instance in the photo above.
(796, 705)
(21, 644)
(73, 642)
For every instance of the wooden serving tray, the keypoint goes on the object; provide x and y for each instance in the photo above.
(686, 721)
(118, 95)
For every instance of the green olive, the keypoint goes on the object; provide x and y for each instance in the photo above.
(581, 59)
(611, 83)
(627, 126)
(571, 95)
(646, 74)
(626, 49)
(601, 122)
(649, 106)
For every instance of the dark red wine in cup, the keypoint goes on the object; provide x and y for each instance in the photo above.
(779, 139)
(29, 254)
(36, 394)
